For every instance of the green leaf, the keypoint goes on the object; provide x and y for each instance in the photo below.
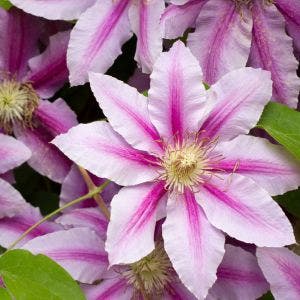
(290, 201)
(4, 295)
(283, 124)
(36, 277)
(5, 4)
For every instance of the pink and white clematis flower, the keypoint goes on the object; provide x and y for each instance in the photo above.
(228, 33)
(26, 79)
(184, 154)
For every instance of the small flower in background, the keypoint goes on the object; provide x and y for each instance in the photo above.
(184, 154)
(26, 79)
(228, 33)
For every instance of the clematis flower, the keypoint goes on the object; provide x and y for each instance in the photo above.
(281, 268)
(102, 29)
(26, 79)
(228, 33)
(184, 154)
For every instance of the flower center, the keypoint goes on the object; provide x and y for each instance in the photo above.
(152, 274)
(239, 3)
(17, 103)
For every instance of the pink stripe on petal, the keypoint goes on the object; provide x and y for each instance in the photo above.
(130, 234)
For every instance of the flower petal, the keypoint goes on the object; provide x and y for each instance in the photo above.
(239, 277)
(54, 10)
(11, 201)
(269, 165)
(195, 247)
(144, 18)
(222, 39)
(176, 95)
(79, 250)
(19, 34)
(99, 149)
(12, 153)
(12, 228)
(177, 18)
(127, 112)
(97, 38)
(130, 234)
(48, 71)
(239, 98)
(272, 50)
(281, 267)
(241, 208)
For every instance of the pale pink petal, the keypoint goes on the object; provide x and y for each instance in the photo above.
(85, 217)
(103, 152)
(269, 165)
(177, 18)
(12, 153)
(97, 38)
(194, 246)
(12, 228)
(130, 234)
(54, 9)
(48, 71)
(241, 208)
(222, 38)
(19, 34)
(11, 201)
(180, 2)
(109, 289)
(238, 98)
(78, 250)
(176, 95)
(272, 50)
(281, 268)
(290, 9)
(144, 17)
(127, 112)
(239, 277)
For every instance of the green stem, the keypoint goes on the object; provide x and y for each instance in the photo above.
(86, 196)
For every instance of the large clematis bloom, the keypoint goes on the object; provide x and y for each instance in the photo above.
(184, 154)
(102, 29)
(27, 78)
(228, 33)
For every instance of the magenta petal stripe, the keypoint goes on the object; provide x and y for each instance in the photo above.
(272, 50)
(222, 39)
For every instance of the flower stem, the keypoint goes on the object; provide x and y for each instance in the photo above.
(95, 191)
(97, 197)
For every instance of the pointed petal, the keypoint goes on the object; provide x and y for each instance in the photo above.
(222, 38)
(194, 246)
(97, 38)
(48, 71)
(79, 250)
(272, 50)
(281, 267)
(127, 112)
(54, 10)
(12, 153)
(19, 34)
(130, 234)
(241, 208)
(239, 277)
(11, 201)
(85, 217)
(100, 150)
(269, 165)
(177, 18)
(144, 18)
(12, 228)
(176, 95)
(109, 289)
(177, 291)
(238, 98)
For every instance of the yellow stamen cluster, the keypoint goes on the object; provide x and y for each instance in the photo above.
(239, 3)
(17, 103)
(152, 274)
